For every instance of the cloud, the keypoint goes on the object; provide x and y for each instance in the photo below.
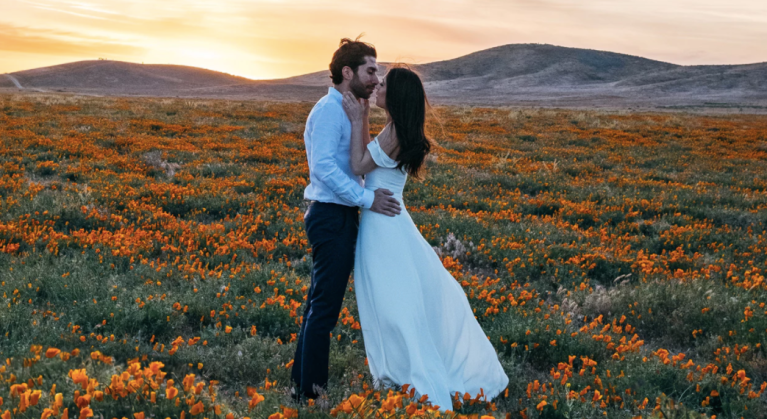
(87, 16)
(62, 43)
(280, 38)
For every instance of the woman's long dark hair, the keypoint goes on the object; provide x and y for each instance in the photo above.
(406, 103)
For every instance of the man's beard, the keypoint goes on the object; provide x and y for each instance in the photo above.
(358, 89)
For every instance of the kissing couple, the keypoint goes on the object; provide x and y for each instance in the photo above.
(417, 325)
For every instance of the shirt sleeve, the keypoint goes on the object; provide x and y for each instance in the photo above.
(326, 132)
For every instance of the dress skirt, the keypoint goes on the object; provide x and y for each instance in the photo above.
(417, 324)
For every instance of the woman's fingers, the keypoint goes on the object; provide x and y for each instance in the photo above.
(351, 105)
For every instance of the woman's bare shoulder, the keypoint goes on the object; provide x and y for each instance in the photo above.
(387, 139)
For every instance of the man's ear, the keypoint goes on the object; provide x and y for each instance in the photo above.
(347, 72)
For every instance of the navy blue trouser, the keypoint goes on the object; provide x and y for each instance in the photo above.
(332, 233)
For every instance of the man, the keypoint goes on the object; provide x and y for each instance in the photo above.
(331, 221)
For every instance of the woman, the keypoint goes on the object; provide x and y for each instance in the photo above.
(416, 321)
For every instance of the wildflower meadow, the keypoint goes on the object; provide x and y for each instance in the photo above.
(153, 261)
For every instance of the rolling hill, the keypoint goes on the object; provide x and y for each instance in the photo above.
(517, 74)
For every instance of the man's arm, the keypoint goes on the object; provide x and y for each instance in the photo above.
(326, 133)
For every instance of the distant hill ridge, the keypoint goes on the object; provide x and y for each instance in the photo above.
(570, 65)
(118, 74)
(508, 74)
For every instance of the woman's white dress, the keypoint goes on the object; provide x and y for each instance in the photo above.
(416, 321)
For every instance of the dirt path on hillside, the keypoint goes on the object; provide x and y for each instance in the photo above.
(15, 81)
(20, 87)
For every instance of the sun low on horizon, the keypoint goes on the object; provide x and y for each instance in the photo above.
(266, 39)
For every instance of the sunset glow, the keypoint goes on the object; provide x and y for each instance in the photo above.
(281, 38)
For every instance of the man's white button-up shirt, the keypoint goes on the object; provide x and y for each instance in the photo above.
(327, 138)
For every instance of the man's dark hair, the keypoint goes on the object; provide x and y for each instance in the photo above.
(349, 53)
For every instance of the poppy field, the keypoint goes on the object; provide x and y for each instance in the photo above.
(153, 261)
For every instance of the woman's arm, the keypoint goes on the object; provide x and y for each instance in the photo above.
(366, 121)
(360, 160)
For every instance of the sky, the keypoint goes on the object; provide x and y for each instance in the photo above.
(265, 39)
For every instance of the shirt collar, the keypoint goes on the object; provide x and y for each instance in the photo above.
(335, 94)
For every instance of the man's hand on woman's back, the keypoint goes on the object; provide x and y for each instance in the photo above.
(384, 203)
